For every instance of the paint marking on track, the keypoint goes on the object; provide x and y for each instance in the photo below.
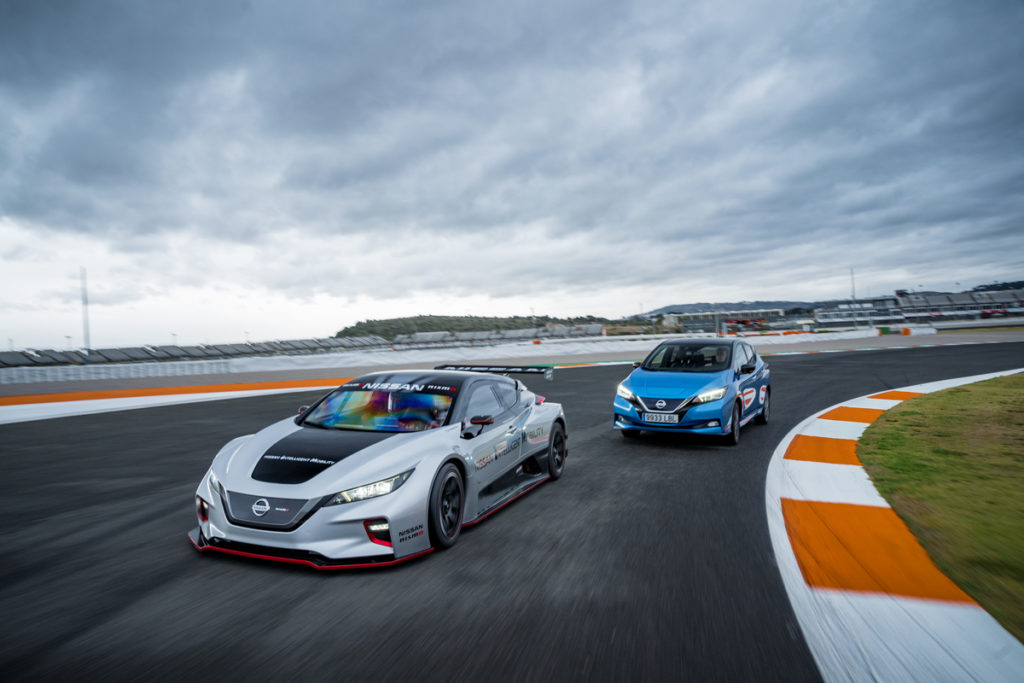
(823, 449)
(848, 414)
(863, 548)
(896, 395)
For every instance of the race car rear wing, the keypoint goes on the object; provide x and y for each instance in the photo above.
(548, 372)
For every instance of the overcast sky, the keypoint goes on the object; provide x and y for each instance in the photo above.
(230, 170)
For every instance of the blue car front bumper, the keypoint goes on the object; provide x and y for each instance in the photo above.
(703, 418)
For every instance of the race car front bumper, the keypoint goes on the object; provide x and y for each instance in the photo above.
(293, 556)
(372, 532)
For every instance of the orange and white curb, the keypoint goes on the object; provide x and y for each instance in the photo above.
(870, 602)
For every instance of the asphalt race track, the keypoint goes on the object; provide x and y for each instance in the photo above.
(649, 560)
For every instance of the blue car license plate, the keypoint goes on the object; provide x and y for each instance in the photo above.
(662, 418)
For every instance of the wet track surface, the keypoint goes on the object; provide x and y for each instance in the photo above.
(649, 560)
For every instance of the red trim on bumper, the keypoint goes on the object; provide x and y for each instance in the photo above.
(314, 565)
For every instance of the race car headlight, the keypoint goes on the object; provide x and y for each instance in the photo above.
(214, 483)
(624, 392)
(377, 488)
(709, 396)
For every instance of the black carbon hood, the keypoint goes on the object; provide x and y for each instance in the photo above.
(303, 454)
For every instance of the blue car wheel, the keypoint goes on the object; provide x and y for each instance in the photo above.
(762, 419)
(733, 437)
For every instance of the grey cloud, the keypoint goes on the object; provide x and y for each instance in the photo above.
(667, 134)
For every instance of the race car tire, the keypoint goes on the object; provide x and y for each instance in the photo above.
(733, 437)
(556, 452)
(762, 419)
(630, 433)
(447, 505)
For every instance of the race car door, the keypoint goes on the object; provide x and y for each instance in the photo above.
(497, 446)
(749, 382)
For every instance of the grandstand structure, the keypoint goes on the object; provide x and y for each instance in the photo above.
(134, 354)
(922, 307)
(746, 319)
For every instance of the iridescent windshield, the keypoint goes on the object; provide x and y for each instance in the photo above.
(381, 411)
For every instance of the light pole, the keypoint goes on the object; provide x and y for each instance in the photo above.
(853, 299)
(174, 338)
(85, 311)
(68, 337)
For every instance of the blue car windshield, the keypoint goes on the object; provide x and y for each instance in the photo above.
(381, 411)
(689, 357)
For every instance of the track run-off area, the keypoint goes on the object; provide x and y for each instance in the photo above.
(651, 559)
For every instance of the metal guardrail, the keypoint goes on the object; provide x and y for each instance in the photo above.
(36, 358)
(68, 373)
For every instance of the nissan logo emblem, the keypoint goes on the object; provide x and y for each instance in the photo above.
(660, 404)
(261, 507)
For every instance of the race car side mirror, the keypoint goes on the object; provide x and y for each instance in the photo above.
(747, 369)
(303, 409)
(476, 425)
(636, 364)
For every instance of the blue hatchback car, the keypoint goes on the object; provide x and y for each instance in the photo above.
(696, 386)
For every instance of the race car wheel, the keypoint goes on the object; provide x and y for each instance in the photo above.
(733, 437)
(447, 503)
(762, 419)
(556, 452)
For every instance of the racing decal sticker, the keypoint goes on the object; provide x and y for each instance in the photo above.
(392, 386)
(499, 450)
(424, 384)
(748, 396)
(305, 453)
(409, 534)
(537, 435)
(764, 390)
(501, 369)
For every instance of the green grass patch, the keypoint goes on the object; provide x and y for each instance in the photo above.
(951, 464)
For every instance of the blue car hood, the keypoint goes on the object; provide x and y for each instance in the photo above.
(675, 384)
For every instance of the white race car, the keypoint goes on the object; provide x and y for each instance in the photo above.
(385, 468)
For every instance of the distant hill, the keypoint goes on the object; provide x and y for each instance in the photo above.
(391, 327)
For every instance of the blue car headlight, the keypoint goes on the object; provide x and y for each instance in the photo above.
(713, 395)
(377, 488)
(624, 392)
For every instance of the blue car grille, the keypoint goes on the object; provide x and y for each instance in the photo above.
(671, 404)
